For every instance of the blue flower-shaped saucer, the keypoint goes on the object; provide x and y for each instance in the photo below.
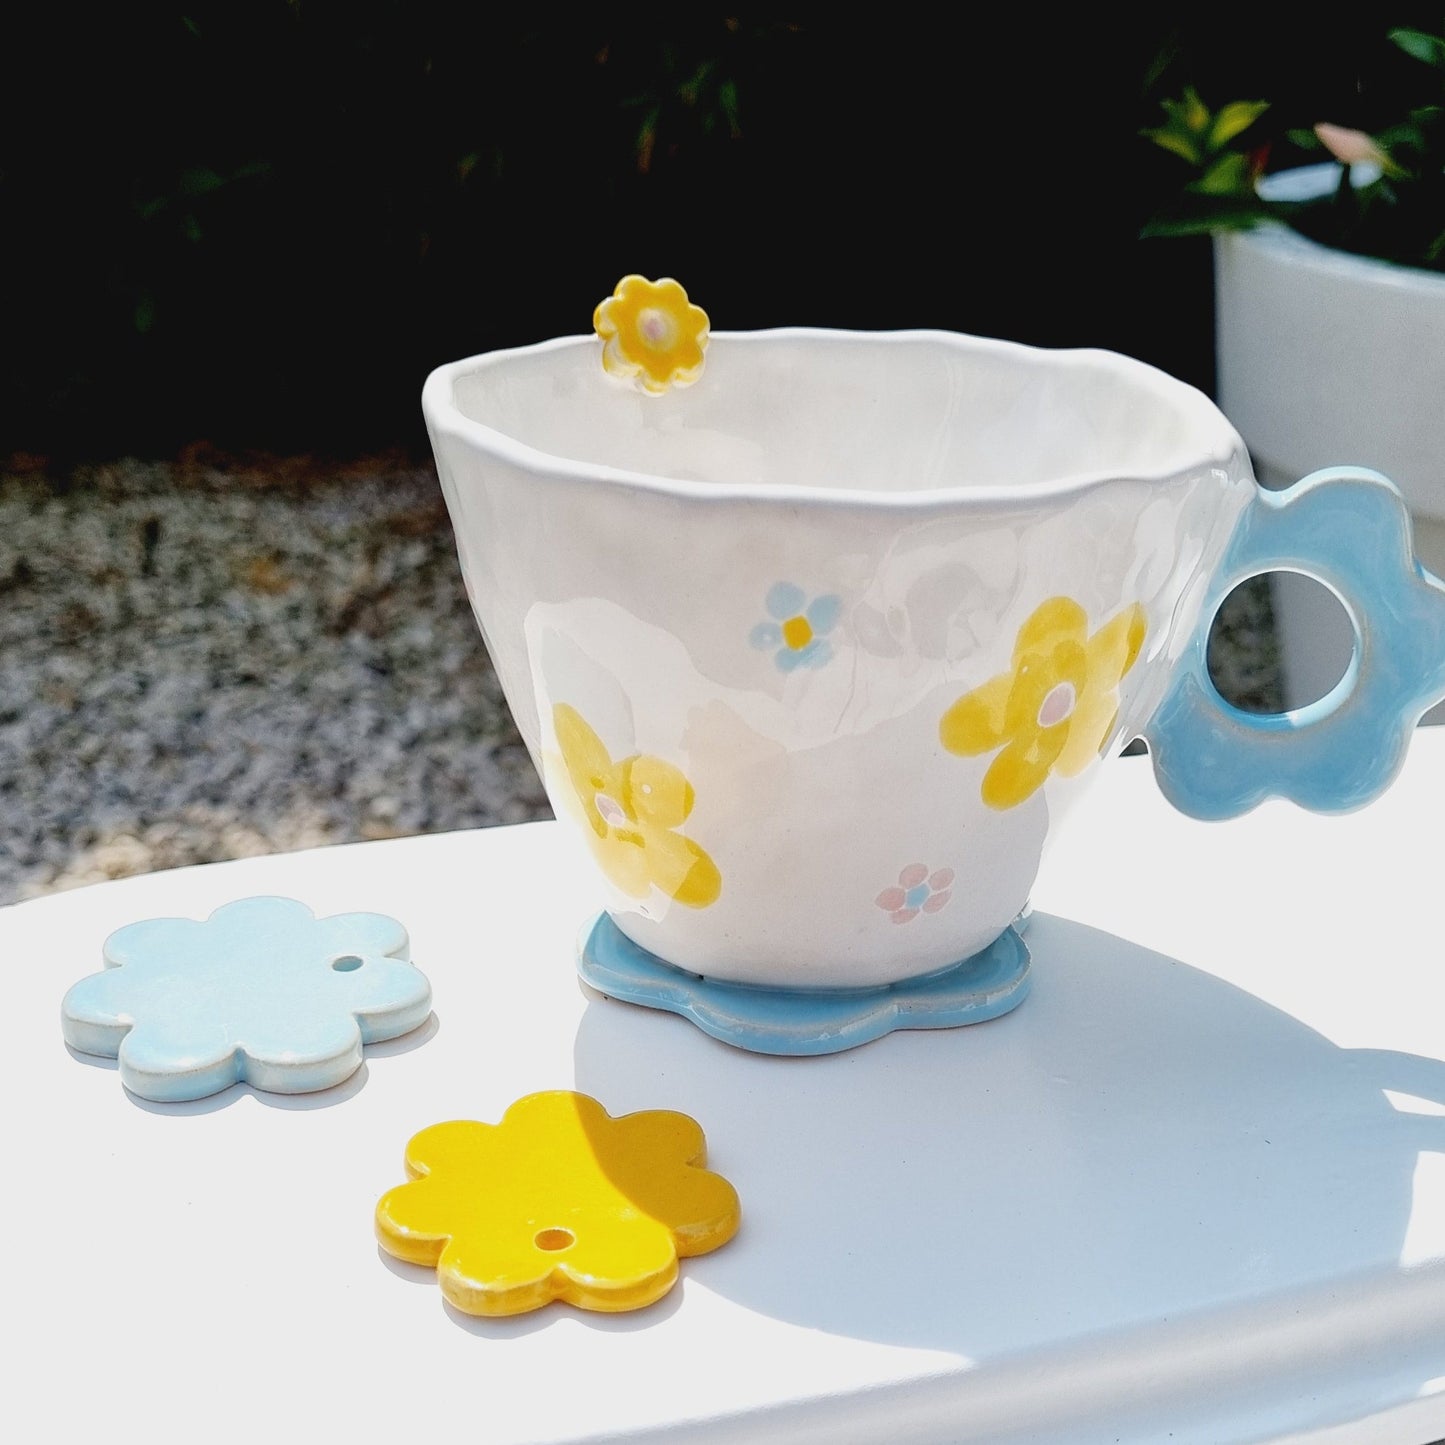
(808, 1021)
(263, 993)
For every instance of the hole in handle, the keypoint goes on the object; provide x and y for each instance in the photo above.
(1316, 637)
(1279, 641)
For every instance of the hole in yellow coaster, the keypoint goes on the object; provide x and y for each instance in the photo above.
(554, 1239)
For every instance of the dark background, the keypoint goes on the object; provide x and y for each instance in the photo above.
(260, 224)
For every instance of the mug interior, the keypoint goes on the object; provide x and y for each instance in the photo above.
(858, 412)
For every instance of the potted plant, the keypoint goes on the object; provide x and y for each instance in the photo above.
(1330, 312)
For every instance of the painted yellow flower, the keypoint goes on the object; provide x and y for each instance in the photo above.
(629, 811)
(652, 334)
(1054, 708)
(558, 1201)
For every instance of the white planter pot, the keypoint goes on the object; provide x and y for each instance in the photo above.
(1331, 359)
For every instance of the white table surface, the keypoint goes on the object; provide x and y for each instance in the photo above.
(1193, 1189)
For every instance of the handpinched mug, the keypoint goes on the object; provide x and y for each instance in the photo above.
(814, 653)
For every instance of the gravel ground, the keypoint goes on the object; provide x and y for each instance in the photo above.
(200, 663)
(214, 659)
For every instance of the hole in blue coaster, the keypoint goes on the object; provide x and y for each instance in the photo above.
(346, 963)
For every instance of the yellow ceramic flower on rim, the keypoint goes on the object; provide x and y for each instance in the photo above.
(652, 335)
(629, 811)
(1053, 710)
(558, 1201)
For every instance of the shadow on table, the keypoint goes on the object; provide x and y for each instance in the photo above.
(1137, 1137)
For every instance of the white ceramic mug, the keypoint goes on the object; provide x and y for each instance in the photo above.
(814, 653)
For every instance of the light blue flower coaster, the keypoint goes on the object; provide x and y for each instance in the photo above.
(263, 993)
(807, 1021)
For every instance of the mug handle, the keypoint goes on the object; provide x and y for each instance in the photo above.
(1347, 528)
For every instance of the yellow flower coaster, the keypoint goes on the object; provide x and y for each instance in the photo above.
(652, 335)
(558, 1201)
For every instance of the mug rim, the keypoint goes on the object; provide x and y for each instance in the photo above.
(1219, 444)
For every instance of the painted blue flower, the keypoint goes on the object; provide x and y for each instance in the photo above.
(797, 628)
(263, 993)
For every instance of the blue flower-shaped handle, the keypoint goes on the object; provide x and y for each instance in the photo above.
(263, 992)
(1347, 528)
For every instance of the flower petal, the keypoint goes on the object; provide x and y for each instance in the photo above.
(890, 898)
(1017, 773)
(681, 869)
(939, 900)
(913, 875)
(656, 1161)
(790, 661)
(766, 635)
(589, 767)
(975, 723)
(1115, 647)
(1058, 620)
(784, 600)
(1091, 724)
(823, 612)
(654, 792)
(622, 856)
(943, 878)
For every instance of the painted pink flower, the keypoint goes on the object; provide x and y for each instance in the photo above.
(918, 891)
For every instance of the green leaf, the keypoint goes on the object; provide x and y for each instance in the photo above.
(1306, 140)
(1228, 176)
(1178, 226)
(200, 181)
(1163, 59)
(1188, 116)
(1237, 116)
(1421, 44)
(1172, 140)
(647, 140)
(1225, 218)
(1196, 113)
(727, 96)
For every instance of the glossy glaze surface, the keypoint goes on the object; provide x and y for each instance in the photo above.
(850, 605)
(806, 1022)
(558, 1201)
(262, 993)
(1345, 749)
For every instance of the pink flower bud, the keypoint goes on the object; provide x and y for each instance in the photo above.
(1350, 147)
